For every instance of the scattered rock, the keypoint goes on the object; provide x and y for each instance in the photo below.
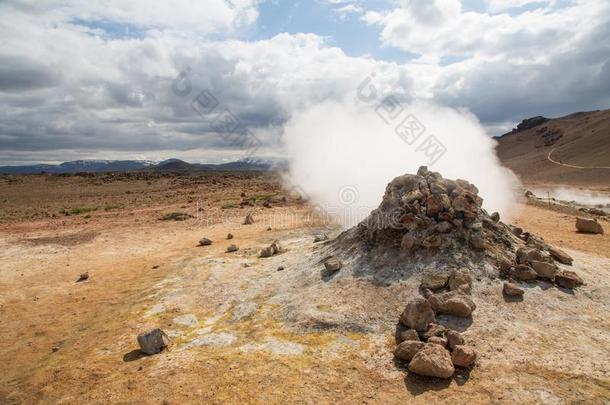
(517, 231)
(529, 194)
(568, 279)
(266, 252)
(280, 268)
(512, 290)
(454, 338)
(277, 247)
(407, 349)
(153, 341)
(452, 303)
(55, 349)
(418, 314)
(544, 269)
(495, 217)
(83, 277)
(560, 255)
(249, 220)
(232, 248)
(333, 264)
(586, 225)
(524, 272)
(463, 356)
(434, 279)
(205, 242)
(432, 360)
(229, 236)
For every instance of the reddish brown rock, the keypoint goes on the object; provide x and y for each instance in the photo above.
(408, 349)
(463, 356)
(432, 361)
(568, 279)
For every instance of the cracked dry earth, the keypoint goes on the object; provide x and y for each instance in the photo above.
(244, 332)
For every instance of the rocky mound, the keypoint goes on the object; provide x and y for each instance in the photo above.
(436, 229)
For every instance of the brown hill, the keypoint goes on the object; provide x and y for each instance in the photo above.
(572, 150)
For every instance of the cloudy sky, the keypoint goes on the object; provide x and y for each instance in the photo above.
(98, 79)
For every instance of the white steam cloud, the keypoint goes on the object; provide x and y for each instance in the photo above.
(344, 154)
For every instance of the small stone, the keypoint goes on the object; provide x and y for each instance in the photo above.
(586, 225)
(409, 334)
(560, 255)
(517, 231)
(460, 279)
(153, 341)
(280, 268)
(232, 248)
(320, 238)
(544, 269)
(277, 247)
(568, 279)
(453, 303)
(418, 314)
(434, 279)
(83, 277)
(476, 241)
(432, 360)
(333, 264)
(454, 338)
(205, 242)
(407, 349)
(249, 220)
(434, 330)
(55, 349)
(495, 217)
(229, 236)
(512, 290)
(524, 272)
(438, 340)
(463, 356)
(266, 252)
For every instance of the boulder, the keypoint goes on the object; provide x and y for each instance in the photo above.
(232, 248)
(463, 356)
(586, 225)
(432, 360)
(524, 272)
(544, 269)
(434, 279)
(407, 349)
(438, 340)
(560, 255)
(153, 341)
(568, 279)
(205, 242)
(512, 290)
(452, 303)
(460, 280)
(418, 314)
(454, 338)
(333, 264)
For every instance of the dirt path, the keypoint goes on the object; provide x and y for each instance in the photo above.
(549, 158)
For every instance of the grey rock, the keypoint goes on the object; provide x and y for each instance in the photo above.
(153, 341)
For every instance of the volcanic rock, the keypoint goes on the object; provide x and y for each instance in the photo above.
(205, 242)
(524, 272)
(544, 269)
(454, 339)
(452, 303)
(434, 329)
(434, 279)
(407, 349)
(460, 280)
(432, 360)
(568, 279)
(249, 220)
(153, 341)
(463, 356)
(438, 340)
(333, 264)
(83, 277)
(229, 236)
(266, 252)
(320, 238)
(512, 290)
(560, 255)
(586, 225)
(232, 248)
(418, 314)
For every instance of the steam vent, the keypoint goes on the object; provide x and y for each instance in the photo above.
(435, 230)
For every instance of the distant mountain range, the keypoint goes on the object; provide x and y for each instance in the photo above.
(170, 165)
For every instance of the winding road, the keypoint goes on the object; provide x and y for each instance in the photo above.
(573, 166)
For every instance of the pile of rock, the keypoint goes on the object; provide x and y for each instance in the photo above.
(429, 348)
(427, 212)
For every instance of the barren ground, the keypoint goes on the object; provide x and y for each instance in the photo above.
(244, 332)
